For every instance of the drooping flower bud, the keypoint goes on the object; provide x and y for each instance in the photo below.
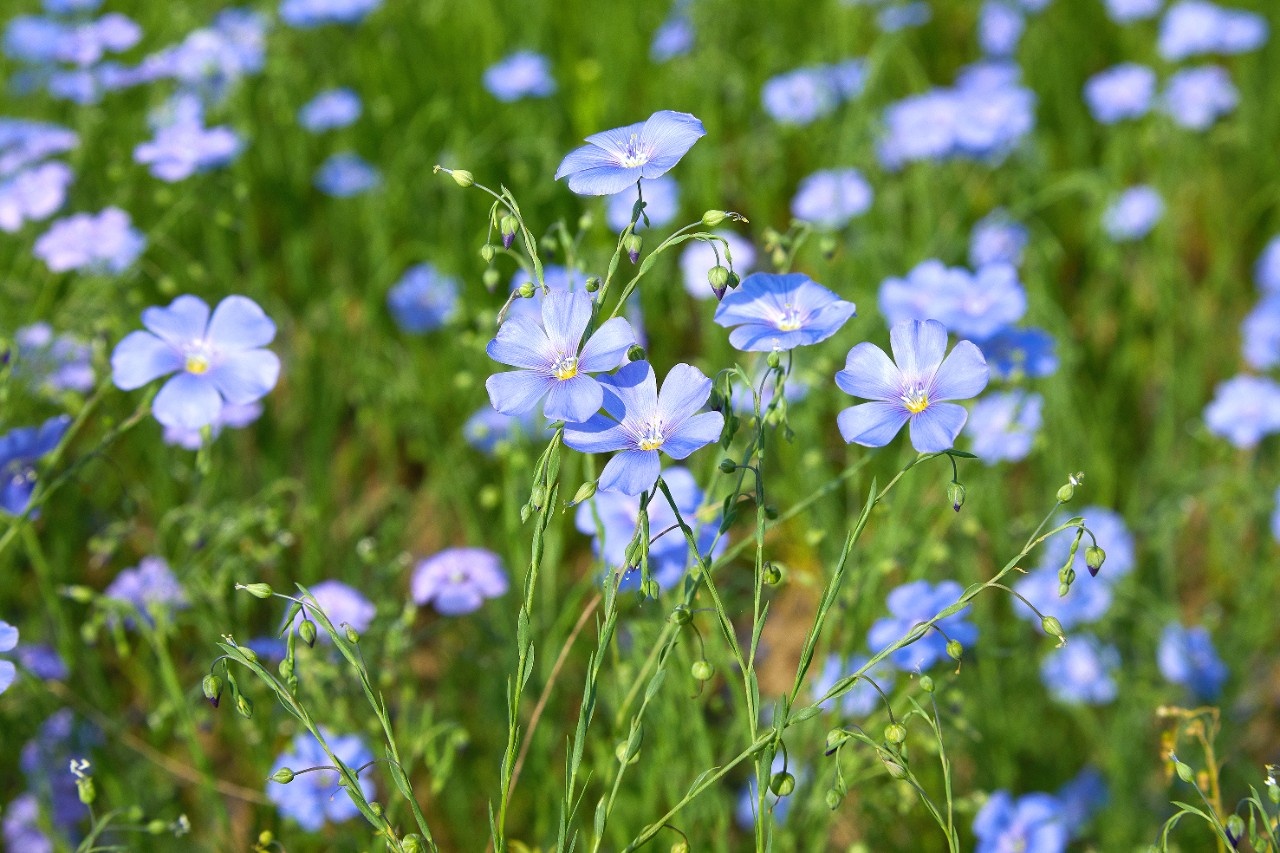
(487, 252)
(782, 784)
(1094, 557)
(593, 283)
(895, 733)
(713, 218)
(632, 245)
(585, 492)
(212, 687)
(508, 226)
(307, 631)
(718, 278)
(462, 178)
(1053, 628)
(955, 649)
(833, 798)
(527, 290)
(702, 670)
(955, 494)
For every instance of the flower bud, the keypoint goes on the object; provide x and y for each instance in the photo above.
(212, 687)
(926, 683)
(527, 290)
(248, 654)
(728, 466)
(508, 226)
(1185, 773)
(835, 738)
(585, 221)
(636, 353)
(713, 218)
(376, 808)
(833, 799)
(156, 826)
(462, 178)
(1051, 626)
(1066, 493)
(284, 776)
(1094, 557)
(702, 670)
(680, 846)
(307, 632)
(257, 590)
(955, 495)
(85, 790)
(896, 770)
(772, 574)
(778, 257)
(487, 252)
(734, 279)
(352, 636)
(632, 245)
(244, 706)
(827, 245)
(412, 844)
(79, 594)
(1235, 830)
(286, 668)
(773, 359)
(955, 649)
(718, 278)
(895, 733)
(782, 784)
(680, 615)
(593, 283)
(490, 277)
(585, 492)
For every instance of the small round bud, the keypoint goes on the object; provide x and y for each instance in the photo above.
(412, 844)
(593, 283)
(1094, 557)
(636, 353)
(1052, 627)
(680, 846)
(134, 814)
(734, 279)
(284, 776)
(833, 799)
(244, 706)
(713, 218)
(490, 277)
(772, 574)
(352, 636)
(307, 632)
(835, 738)
(955, 495)
(487, 252)
(702, 670)
(376, 808)
(895, 733)
(286, 668)
(621, 751)
(955, 649)
(680, 615)
(773, 359)
(1235, 829)
(266, 837)
(1066, 493)
(212, 688)
(926, 683)
(585, 492)
(585, 221)
(718, 277)
(782, 784)
(85, 790)
(632, 244)
(770, 238)
(257, 590)
(156, 826)
(1185, 773)
(462, 178)
(527, 290)
(728, 466)
(508, 226)
(895, 769)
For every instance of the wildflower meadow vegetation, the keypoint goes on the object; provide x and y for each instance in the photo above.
(696, 425)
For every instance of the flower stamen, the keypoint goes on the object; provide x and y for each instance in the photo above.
(566, 367)
(916, 399)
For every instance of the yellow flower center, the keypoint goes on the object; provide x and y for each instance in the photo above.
(652, 438)
(790, 319)
(916, 399)
(566, 368)
(197, 363)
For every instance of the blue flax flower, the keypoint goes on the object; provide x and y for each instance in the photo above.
(305, 14)
(312, 799)
(912, 604)
(523, 74)
(997, 239)
(674, 37)
(1133, 214)
(1261, 333)
(217, 359)
(930, 291)
(8, 642)
(1186, 656)
(104, 242)
(345, 175)
(1196, 27)
(150, 588)
(423, 299)
(230, 415)
(1244, 410)
(913, 387)
(616, 158)
(1082, 798)
(20, 826)
(183, 146)
(1030, 824)
(643, 421)
(52, 363)
(19, 451)
(33, 194)
(554, 361)
(329, 110)
(774, 313)
(1017, 353)
(1081, 672)
(1197, 97)
(831, 197)
(802, 95)
(458, 580)
(341, 604)
(1000, 26)
(1003, 425)
(989, 300)
(1121, 92)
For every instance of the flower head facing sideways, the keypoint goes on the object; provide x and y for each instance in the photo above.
(615, 159)
(781, 312)
(914, 387)
(554, 361)
(643, 420)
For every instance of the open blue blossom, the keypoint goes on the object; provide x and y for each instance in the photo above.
(341, 604)
(183, 146)
(1244, 410)
(1266, 272)
(1003, 426)
(104, 243)
(643, 421)
(1121, 92)
(20, 449)
(50, 363)
(42, 660)
(1197, 97)
(523, 74)
(699, 257)
(1128, 11)
(1081, 672)
(312, 799)
(986, 302)
(619, 516)
(347, 174)
(8, 642)
(423, 299)
(458, 580)
(1000, 26)
(44, 759)
(912, 604)
(210, 60)
(1186, 656)
(914, 387)
(674, 37)
(615, 159)
(996, 239)
(1013, 354)
(930, 291)
(1082, 798)
(831, 197)
(329, 110)
(488, 429)
(218, 359)
(1261, 333)
(661, 199)
(25, 143)
(1133, 214)
(1198, 27)
(862, 698)
(33, 194)
(230, 415)
(801, 96)
(20, 825)
(554, 361)
(1030, 824)
(305, 14)
(149, 588)
(775, 313)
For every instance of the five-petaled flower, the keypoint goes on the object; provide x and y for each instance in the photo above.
(913, 389)
(644, 421)
(553, 360)
(217, 359)
(20, 449)
(614, 159)
(781, 312)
